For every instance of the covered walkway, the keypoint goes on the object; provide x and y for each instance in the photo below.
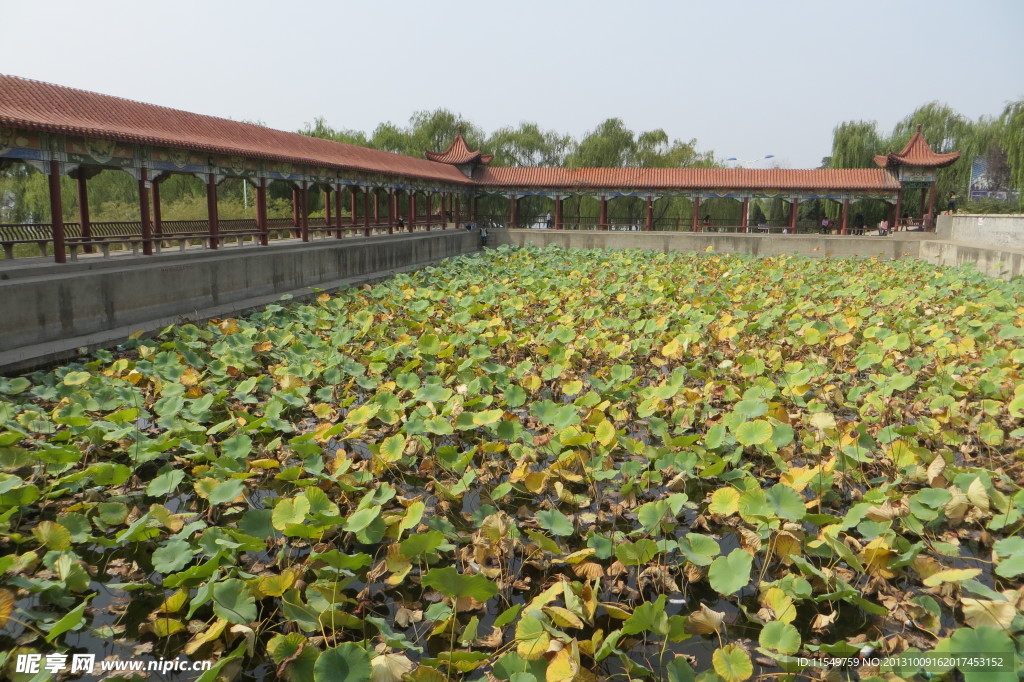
(63, 131)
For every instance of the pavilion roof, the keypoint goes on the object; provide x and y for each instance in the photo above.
(458, 153)
(34, 105)
(917, 152)
(866, 179)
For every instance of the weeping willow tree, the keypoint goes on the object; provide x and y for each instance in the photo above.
(1011, 139)
(854, 145)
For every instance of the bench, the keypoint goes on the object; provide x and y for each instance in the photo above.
(38, 234)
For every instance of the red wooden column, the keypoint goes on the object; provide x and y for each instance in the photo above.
(696, 213)
(931, 207)
(352, 189)
(458, 211)
(83, 209)
(899, 208)
(744, 215)
(327, 207)
(558, 213)
(147, 228)
(211, 210)
(304, 211)
(366, 211)
(391, 211)
(793, 209)
(295, 210)
(512, 211)
(846, 214)
(650, 214)
(412, 211)
(376, 207)
(337, 211)
(261, 212)
(56, 213)
(158, 222)
(603, 219)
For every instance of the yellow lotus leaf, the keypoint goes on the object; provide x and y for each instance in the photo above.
(876, 555)
(951, 575)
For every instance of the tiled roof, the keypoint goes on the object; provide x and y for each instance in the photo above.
(34, 105)
(917, 152)
(689, 178)
(458, 152)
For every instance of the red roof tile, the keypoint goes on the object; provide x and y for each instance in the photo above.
(34, 105)
(917, 152)
(689, 178)
(458, 152)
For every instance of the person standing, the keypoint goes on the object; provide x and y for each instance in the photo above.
(951, 204)
(483, 236)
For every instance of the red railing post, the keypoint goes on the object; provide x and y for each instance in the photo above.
(327, 208)
(158, 223)
(261, 212)
(56, 213)
(83, 209)
(147, 230)
(412, 211)
(211, 210)
(304, 211)
(337, 211)
(393, 210)
(366, 211)
(352, 189)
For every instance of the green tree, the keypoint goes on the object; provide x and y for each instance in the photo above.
(528, 145)
(854, 145)
(1011, 139)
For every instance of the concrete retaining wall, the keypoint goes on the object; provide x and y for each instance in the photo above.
(900, 245)
(994, 230)
(994, 262)
(48, 311)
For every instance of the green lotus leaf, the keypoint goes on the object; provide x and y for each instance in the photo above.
(347, 662)
(731, 573)
(780, 637)
(233, 601)
(754, 432)
(449, 582)
(555, 522)
(732, 662)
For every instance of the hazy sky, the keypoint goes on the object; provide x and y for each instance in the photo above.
(745, 78)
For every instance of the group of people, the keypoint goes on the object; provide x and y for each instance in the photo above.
(470, 226)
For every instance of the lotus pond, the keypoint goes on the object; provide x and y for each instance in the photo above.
(537, 465)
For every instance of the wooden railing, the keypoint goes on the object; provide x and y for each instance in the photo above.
(803, 226)
(124, 237)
